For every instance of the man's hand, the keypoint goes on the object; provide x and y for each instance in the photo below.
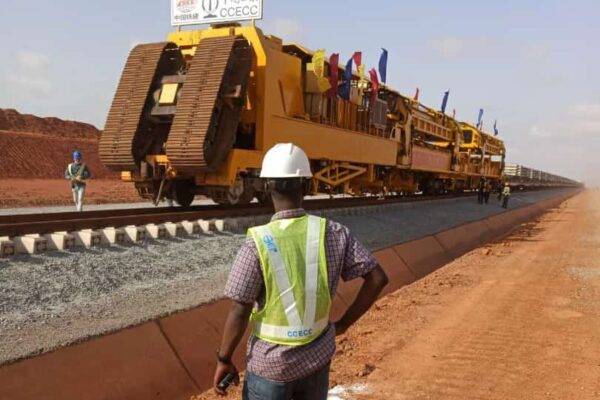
(222, 370)
(374, 283)
(236, 323)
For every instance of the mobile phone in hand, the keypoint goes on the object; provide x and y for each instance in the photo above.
(226, 381)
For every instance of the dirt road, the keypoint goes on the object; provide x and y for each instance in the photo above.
(517, 319)
(54, 192)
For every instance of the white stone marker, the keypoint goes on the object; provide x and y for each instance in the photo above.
(219, 224)
(30, 244)
(135, 233)
(204, 225)
(190, 227)
(113, 235)
(60, 241)
(156, 231)
(87, 238)
(174, 229)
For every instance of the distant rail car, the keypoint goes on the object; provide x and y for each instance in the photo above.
(194, 115)
(521, 177)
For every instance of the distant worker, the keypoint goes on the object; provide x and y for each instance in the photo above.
(283, 280)
(505, 195)
(77, 172)
(480, 188)
(487, 189)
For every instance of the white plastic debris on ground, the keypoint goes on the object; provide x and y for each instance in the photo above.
(346, 392)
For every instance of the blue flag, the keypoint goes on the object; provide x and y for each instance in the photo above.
(345, 86)
(383, 65)
(445, 101)
(480, 118)
(495, 129)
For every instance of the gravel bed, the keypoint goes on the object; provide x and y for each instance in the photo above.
(57, 298)
(61, 297)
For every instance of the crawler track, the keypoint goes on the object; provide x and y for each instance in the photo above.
(125, 113)
(14, 225)
(204, 126)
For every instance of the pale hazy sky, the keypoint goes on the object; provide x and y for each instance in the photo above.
(532, 64)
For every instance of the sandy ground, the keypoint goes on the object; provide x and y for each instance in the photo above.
(46, 192)
(517, 319)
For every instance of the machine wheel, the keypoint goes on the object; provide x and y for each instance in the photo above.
(264, 198)
(238, 193)
(184, 192)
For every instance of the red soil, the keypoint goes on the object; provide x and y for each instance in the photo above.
(53, 192)
(12, 120)
(32, 155)
(34, 147)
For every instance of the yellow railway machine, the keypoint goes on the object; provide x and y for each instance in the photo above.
(195, 114)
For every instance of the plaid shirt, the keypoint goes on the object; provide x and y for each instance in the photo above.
(346, 257)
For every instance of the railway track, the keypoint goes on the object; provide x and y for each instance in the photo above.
(22, 224)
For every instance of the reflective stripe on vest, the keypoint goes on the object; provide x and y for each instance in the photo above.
(283, 282)
(291, 332)
(316, 297)
(312, 266)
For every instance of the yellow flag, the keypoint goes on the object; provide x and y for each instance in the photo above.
(361, 71)
(318, 61)
(323, 84)
(363, 83)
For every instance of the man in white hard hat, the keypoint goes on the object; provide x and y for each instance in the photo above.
(283, 280)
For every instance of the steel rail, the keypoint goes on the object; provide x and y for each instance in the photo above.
(22, 224)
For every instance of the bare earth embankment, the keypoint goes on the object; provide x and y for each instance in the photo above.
(34, 154)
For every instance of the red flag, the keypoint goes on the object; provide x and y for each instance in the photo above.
(333, 74)
(357, 57)
(416, 95)
(374, 84)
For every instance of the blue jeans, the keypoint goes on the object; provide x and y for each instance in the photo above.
(313, 387)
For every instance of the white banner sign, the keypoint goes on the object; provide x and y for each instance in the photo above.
(188, 12)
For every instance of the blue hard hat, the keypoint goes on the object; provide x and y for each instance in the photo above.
(76, 155)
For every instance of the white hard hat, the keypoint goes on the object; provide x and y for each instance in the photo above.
(285, 160)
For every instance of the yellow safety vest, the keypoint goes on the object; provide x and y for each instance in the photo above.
(294, 267)
(79, 171)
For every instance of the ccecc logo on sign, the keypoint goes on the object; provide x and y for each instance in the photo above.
(210, 7)
(188, 12)
(186, 6)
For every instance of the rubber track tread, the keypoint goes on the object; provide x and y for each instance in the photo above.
(188, 146)
(128, 104)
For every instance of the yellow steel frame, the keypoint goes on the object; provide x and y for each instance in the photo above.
(237, 161)
(277, 99)
(338, 173)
